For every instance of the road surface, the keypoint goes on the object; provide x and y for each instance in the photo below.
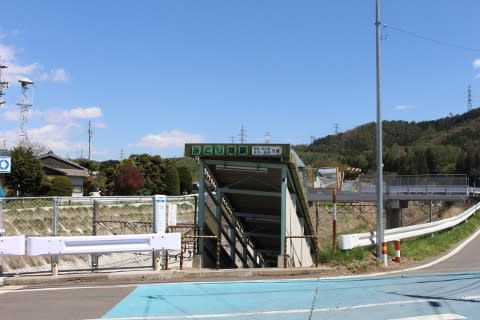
(447, 290)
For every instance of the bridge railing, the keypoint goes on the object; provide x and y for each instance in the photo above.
(418, 184)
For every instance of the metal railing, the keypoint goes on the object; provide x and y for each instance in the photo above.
(350, 241)
(85, 216)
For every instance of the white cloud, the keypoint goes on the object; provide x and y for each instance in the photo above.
(99, 125)
(17, 70)
(403, 107)
(14, 115)
(59, 75)
(169, 139)
(476, 64)
(57, 130)
(56, 75)
(73, 114)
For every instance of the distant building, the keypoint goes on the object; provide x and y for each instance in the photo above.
(54, 165)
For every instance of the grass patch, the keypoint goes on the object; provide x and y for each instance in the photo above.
(427, 246)
(343, 258)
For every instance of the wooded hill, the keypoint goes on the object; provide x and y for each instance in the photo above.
(446, 145)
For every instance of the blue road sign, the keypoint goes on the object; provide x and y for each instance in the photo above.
(5, 164)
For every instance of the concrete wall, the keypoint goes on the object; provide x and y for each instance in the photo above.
(298, 250)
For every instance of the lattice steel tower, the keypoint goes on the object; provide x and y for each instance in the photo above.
(3, 84)
(469, 99)
(24, 105)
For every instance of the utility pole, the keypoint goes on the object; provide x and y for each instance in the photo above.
(90, 134)
(335, 126)
(121, 154)
(469, 99)
(379, 186)
(233, 139)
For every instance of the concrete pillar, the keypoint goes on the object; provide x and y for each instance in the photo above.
(394, 218)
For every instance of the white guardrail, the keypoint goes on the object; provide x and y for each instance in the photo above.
(350, 241)
(15, 245)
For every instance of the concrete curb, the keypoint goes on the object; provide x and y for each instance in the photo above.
(166, 276)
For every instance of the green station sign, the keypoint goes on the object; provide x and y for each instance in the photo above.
(236, 150)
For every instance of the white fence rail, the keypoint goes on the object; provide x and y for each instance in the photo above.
(350, 241)
(102, 244)
(14, 246)
(37, 246)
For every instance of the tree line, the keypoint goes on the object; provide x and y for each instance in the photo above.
(444, 146)
(139, 174)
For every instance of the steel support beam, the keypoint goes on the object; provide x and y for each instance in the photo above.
(247, 165)
(257, 216)
(250, 192)
(262, 235)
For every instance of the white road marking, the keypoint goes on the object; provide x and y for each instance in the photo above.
(470, 298)
(276, 312)
(445, 316)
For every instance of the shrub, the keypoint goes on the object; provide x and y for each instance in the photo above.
(61, 186)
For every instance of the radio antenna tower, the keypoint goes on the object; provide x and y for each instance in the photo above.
(3, 84)
(469, 99)
(243, 135)
(25, 104)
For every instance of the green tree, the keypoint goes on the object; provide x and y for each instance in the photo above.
(185, 180)
(61, 186)
(153, 169)
(172, 181)
(27, 174)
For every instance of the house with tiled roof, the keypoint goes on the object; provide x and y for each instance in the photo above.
(54, 165)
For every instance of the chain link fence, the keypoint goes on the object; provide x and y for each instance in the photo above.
(88, 216)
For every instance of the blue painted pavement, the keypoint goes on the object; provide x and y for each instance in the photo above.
(389, 297)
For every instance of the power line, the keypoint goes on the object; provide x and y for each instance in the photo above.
(439, 42)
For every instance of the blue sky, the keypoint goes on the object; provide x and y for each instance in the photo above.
(155, 74)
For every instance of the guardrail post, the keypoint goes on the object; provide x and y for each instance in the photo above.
(54, 258)
(385, 253)
(95, 210)
(397, 251)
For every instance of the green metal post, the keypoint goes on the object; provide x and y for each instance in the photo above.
(201, 207)
(283, 217)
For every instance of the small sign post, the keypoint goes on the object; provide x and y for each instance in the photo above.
(5, 164)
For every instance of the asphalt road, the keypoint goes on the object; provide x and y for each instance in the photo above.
(447, 290)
